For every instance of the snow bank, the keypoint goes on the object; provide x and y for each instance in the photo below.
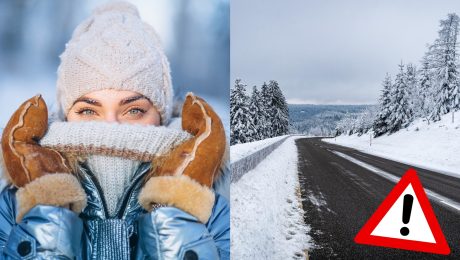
(435, 146)
(239, 151)
(249, 162)
(266, 211)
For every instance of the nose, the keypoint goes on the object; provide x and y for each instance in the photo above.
(111, 118)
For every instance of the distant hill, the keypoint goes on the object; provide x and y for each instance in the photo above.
(320, 120)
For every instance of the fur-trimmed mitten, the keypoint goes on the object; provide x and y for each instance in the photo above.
(41, 174)
(183, 177)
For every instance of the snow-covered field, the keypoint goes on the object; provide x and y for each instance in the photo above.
(435, 146)
(239, 151)
(266, 210)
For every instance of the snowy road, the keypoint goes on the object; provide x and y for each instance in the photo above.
(342, 187)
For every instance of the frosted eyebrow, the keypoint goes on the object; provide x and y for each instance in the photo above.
(88, 101)
(132, 99)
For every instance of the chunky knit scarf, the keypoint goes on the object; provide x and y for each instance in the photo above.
(113, 174)
(113, 151)
(130, 141)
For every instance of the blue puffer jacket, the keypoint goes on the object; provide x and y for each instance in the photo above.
(48, 232)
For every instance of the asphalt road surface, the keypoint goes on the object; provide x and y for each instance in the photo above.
(339, 196)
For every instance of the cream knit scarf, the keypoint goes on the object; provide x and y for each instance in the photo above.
(113, 174)
(113, 151)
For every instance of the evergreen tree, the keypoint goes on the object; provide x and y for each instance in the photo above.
(444, 65)
(255, 107)
(266, 112)
(401, 114)
(364, 121)
(412, 87)
(380, 125)
(346, 125)
(425, 90)
(241, 128)
(279, 110)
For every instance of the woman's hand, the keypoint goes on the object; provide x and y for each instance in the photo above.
(41, 174)
(25, 159)
(183, 178)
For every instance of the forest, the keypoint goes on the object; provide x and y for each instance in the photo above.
(262, 114)
(427, 90)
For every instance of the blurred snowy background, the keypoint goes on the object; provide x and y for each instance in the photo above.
(195, 35)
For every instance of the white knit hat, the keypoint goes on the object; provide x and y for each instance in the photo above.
(115, 49)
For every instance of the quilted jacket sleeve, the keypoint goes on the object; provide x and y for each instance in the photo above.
(45, 232)
(170, 233)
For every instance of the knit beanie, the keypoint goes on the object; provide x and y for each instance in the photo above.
(115, 49)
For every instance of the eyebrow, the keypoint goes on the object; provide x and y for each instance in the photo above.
(132, 99)
(88, 101)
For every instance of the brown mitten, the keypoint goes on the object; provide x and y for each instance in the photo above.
(183, 178)
(28, 165)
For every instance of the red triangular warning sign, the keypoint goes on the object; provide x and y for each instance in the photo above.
(405, 220)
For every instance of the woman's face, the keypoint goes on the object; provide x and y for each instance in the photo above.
(114, 106)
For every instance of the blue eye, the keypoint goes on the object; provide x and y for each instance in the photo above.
(136, 111)
(86, 112)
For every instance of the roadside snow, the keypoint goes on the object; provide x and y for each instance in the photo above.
(435, 146)
(266, 211)
(238, 151)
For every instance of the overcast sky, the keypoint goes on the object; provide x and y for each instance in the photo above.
(330, 52)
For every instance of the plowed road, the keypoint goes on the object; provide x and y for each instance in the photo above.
(341, 189)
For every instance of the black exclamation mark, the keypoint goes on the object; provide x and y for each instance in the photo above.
(407, 208)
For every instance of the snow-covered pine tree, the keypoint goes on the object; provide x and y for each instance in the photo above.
(380, 125)
(346, 125)
(242, 127)
(255, 107)
(266, 112)
(280, 110)
(412, 88)
(425, 90)
(364, 120)
(444, 64)
(341, 127)
(401, 114)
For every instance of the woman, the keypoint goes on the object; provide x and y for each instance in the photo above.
(88, 189)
